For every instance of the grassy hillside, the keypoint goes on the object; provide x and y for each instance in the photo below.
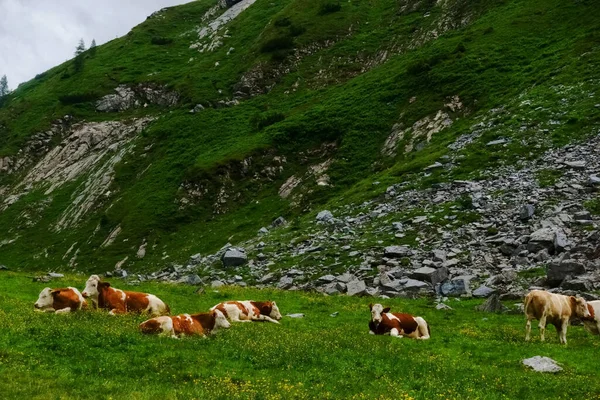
(320, 73)
(91, 355)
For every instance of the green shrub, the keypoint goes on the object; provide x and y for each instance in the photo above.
(75, 98)
(277, 44)
(263, 120)
(282, 22)
(161, 41)
(329, 8)
(593, 206)
(548, 177)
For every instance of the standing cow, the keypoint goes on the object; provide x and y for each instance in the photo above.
(592, 323)
(121, 301)
(246, 311)
(185, 324)
(553, 308)
(395, 324)
(60, 300)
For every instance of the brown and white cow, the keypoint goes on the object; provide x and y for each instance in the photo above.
(553, 308)
(383, 322)
(592, 323)
(246, 311)
(202, 324)
(121, 301)
(60, 300)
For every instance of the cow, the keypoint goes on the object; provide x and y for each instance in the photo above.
(383, 322)
(201, 324)
(247, 311)
(60, 301)
(553, 308)
(592, 323)
(120, 301)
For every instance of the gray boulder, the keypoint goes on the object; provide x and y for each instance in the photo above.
(285, 282)
(431, 275)
(542, 364)
(456, 287)
(356, 288)
(492, 305)
(216, 284)
(556, 272)
(234, 257)
(280, 221)
(413, 284)
(483, 291)
(580, 285)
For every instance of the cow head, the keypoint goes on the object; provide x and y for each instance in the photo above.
(91, 287)
(220, 320)
(45, 300)
(275, 314)
(580, 307)
(377, 312)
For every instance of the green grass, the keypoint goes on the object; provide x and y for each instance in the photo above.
(93, 355)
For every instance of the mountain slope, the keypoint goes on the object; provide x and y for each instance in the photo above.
(297, 103)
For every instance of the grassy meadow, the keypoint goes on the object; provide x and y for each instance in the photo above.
(91, 355)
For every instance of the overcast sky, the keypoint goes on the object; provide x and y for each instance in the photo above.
(36, 35)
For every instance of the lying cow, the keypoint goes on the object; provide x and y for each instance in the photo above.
(246, 311)
(384, 322)
(202, 324)
(553, 308)
(592, 323)
(60, 300)
(120, 301)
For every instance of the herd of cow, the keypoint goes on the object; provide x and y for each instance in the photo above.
(552, 308)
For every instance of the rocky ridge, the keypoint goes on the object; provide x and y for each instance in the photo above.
(501, 235)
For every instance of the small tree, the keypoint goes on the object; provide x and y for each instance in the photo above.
(93, 48)
(79, 56)
(4, 86)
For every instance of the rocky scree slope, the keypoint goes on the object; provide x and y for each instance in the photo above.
(212, 119)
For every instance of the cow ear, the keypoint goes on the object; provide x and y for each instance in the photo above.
(370, 306)
(106, 284)
(386, 310)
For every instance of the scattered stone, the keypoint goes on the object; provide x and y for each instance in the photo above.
(442, 306)
(542, 364)
(3, 268)
(263, 231)
(575, 164)
(296, 315)
(55, 275)
(280, 221)
(324, 216)
(397, 251)
(496, 142)
(334, 314)
(526, 212)
(192, 280)
(216, 284)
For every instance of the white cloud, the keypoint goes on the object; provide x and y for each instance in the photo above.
(36, 35)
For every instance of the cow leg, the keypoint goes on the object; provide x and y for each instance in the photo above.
(542, 326)
(395, 332)
(116, 311)
(265, 318)
(64, 310)
(528, 330)
(563, 331)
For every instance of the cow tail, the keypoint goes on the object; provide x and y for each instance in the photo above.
(526, 305)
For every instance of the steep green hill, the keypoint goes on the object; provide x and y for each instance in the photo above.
(298, 103)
